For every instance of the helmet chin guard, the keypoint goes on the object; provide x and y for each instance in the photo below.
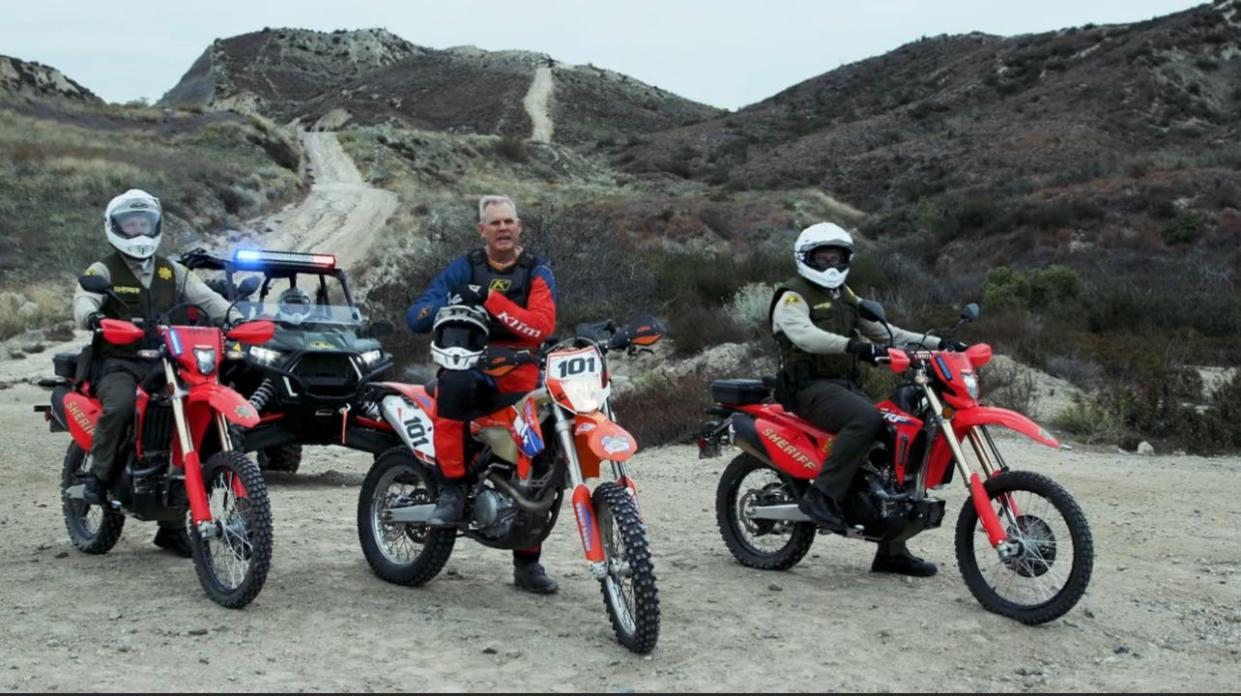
(459, 337)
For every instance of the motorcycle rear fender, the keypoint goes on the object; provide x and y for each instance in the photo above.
(416, 393)
(232, 405)
(779, 446)
(82, 414)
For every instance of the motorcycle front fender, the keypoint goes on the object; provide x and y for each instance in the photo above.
(987, 415)
(230, 404)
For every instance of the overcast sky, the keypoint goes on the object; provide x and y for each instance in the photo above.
(727, 53)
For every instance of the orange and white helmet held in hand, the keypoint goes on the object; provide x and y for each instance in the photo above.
(132, 223)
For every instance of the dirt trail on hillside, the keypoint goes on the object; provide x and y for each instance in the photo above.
(342, 215)
(1161, 613)
(537, 102)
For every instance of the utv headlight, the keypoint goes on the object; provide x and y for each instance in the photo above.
(206, 360)
(971, 385)
(371, 357)
(267, 356)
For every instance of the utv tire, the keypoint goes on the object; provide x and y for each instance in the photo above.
(287, 458)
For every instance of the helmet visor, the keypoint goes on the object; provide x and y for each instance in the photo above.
(825, 257)
(461, 335)
(132, 224)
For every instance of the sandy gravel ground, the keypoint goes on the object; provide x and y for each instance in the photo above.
(1162, 613)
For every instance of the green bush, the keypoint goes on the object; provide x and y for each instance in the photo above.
(1005, 287)
(1054, 285)
(1185, 228)
(664, 410)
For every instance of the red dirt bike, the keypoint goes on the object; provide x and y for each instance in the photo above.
(1029, 528)
(518, 477)
(182, 413)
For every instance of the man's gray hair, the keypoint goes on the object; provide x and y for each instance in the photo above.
(487, 201)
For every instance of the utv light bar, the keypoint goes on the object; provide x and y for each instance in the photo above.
(258, 258)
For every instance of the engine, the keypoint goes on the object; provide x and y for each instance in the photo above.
(494, 513)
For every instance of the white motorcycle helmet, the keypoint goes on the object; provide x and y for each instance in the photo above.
(132, 223)
(458, 337)
(817, 236)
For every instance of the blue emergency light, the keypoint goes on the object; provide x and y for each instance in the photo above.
(258, 258)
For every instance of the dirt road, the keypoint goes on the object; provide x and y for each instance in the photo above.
(1163, 611)
(536, 103)
(341, 215)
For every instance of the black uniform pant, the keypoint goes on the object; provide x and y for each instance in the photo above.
(837, 406)
(116, 390)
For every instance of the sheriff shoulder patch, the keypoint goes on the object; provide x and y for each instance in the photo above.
(792, 298)
(165, 272)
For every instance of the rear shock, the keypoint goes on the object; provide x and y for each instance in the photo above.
(262, 395)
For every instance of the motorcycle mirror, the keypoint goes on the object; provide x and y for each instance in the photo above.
(94, 283)
(970, 312)
(872, 311)
(247, 287)
(382, 328)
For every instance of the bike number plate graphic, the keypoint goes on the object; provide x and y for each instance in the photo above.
(575, 379)
(578, 364)
(412, 424)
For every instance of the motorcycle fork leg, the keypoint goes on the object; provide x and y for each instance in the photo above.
(583, 507)
(978, 494)
(195, 489)
(976, 440)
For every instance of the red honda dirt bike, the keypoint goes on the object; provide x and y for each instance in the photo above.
(181, 414)
(1027, 530)
(518, 477)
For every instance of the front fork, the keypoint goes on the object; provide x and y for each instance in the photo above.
(978, 493)
(583, 507)
(195, 487)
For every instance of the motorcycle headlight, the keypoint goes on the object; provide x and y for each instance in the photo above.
(971, 384)
(371, 357)
(206, 360)
(267, 356)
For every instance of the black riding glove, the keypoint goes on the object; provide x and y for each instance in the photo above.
(949, 344)
(92, 320)
(867, 351)
(469, 295)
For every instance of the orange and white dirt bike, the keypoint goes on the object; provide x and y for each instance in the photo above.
(528, 450)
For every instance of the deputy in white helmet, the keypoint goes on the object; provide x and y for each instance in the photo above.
(821, 338)
(148, 284)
